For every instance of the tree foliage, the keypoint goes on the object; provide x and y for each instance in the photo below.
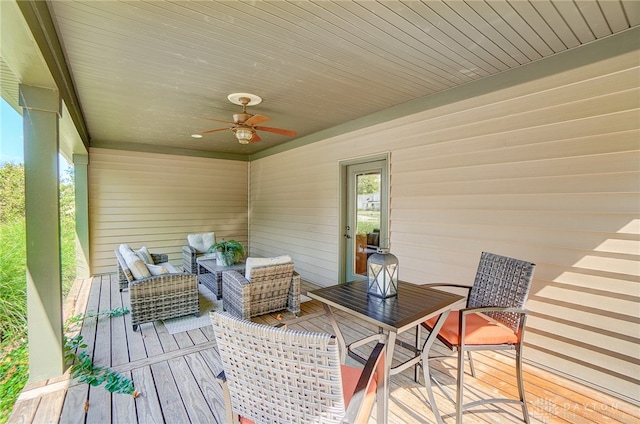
(67, 193)
(12, 204)
(11, 192)
(368, 184)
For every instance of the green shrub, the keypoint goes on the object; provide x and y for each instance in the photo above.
(13, 295)
(67, 252)
(12, 191)
(14, 362)
(14, 370)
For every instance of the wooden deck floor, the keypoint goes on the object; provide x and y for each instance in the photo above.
(175, 375)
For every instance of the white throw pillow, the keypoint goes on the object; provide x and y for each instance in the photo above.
(136, 265)
(123, 249)
(157, 269)
(143, 253)
(255, 262)
(169, 267)
(202, 242)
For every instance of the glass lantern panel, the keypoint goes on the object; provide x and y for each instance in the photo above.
(383, 275)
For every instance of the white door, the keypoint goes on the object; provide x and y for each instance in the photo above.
(365, 215)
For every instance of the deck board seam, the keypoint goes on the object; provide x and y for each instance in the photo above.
(43, 390)
(164, 357)
(68, 382)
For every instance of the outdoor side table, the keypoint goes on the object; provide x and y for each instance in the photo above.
(210, 274)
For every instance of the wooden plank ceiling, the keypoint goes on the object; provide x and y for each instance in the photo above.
(147, 72)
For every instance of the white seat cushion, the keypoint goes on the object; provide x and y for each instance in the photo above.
(201, 242)
(255, 262)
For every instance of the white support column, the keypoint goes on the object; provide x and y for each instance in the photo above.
(81, 177)
(41, 112)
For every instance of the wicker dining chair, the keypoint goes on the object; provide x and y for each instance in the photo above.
(279, 375)
(494, 319)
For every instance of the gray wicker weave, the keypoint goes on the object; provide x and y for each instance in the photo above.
(499, 292)
(276, 375)
(189, 256)
(159, 297)
(210, 274)
(272, 288)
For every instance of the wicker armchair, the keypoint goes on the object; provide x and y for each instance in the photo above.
(274, 375)
(272, 288)
(197, 245)
(494, 319)
(161, 296)
(124, 274)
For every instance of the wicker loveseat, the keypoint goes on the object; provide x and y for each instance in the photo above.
(162, 296)
(269, 288)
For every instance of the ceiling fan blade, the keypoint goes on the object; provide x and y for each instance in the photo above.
(216, 130)
(280, 131)
(256, 119)
(255, 138)
(218, 120)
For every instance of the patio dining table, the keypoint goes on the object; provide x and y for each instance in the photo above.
(394, 315)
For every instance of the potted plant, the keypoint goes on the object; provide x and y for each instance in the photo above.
(229, 251)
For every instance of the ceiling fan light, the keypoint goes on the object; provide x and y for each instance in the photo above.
(244, 135)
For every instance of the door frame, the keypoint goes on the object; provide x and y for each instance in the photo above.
(385, 190)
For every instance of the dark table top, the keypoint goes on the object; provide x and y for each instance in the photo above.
(211, 265)
(413, 304)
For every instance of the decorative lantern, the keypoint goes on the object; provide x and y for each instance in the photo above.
(382, 273)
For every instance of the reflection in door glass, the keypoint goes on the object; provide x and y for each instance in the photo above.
(367, 219)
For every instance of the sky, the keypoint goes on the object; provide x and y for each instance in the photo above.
(11, 146)
(11, 140)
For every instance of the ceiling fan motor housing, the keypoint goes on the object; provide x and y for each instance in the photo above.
(240, 118)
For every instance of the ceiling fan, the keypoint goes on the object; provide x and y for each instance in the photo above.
(244, 124)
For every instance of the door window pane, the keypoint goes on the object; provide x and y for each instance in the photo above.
(367, 218)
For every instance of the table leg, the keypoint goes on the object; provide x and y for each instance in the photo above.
(431, 338)
(418, 336)
(383, 407)
(341, 343)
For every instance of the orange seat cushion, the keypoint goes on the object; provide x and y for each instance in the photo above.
(479, 330)
(350, 377)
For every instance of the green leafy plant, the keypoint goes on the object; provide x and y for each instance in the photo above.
(81, 363)
(14, 372)
(232, 250)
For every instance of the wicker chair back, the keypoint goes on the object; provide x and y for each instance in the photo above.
(503, 282)
(279, 375)
(272, 288)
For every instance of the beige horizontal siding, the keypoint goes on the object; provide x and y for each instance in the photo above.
(546, 169)
(155, 200)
